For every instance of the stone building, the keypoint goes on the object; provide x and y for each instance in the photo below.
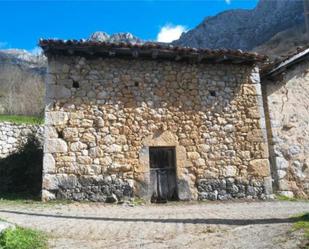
(153, 121)
(286, 91)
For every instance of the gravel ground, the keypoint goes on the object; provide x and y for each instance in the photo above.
(174, 225)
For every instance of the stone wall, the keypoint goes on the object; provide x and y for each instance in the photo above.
(14, 136)
(103, 114)
(288, 107)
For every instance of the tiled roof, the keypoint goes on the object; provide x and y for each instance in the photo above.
(150, 50)
(286, 62)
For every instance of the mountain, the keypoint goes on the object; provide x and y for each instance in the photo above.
(117, 37)
(245, 29)
(284, 43)
(22, 82)
(22, 57)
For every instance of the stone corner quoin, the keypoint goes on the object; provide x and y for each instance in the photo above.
(103, 114)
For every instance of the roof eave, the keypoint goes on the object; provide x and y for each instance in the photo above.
(283, 66)
(148, 50)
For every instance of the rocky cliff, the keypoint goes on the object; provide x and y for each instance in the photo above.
(245, 29)
(118, 37)
(284, 43)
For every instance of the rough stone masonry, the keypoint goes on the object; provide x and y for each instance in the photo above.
(287, 98)
(14, 136)
(105, 109)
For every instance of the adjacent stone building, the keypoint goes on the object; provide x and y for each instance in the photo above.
(14, 136)
(153, 121)
(286, 91)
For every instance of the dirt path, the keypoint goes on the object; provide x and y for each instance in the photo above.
(179, 225)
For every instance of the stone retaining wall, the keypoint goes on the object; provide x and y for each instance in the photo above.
(102, 116)
(14, 136)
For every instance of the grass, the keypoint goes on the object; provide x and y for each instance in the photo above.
(18, 119)
(138, 201)
(33, 201)
(22, 198)
(15, 199)
(23, 238)
(302, 224)
(285, 198)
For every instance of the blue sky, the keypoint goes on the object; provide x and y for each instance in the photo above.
(24, 22)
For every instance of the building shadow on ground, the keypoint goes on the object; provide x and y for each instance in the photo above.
(238, 222)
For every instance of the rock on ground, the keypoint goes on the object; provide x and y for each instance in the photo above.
(5, 225)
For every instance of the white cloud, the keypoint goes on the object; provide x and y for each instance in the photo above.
(3, 44)
(227, 1)
(169, 32)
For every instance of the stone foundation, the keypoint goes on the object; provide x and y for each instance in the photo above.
(85, 188)
(229, 188)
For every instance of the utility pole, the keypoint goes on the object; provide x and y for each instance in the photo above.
(306, 15)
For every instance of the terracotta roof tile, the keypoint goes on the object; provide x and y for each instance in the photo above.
(148, 49)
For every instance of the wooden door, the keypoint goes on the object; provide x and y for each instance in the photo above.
(162, 174)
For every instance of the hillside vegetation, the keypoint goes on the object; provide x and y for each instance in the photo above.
(22, 83)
